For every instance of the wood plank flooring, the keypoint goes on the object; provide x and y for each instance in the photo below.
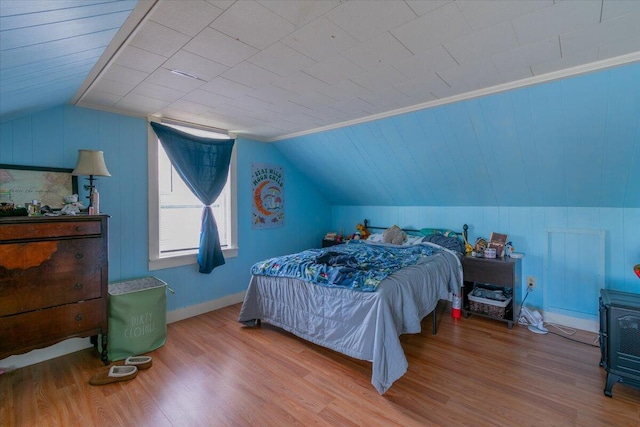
(214, 372)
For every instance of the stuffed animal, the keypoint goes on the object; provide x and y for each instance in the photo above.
(394, 235)
(71, 205)
(364, 233)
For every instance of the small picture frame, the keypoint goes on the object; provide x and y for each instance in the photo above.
(498, 242)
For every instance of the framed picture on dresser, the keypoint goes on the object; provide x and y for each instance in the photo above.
(44, 184)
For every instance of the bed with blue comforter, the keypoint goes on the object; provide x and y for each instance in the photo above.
(356, 298)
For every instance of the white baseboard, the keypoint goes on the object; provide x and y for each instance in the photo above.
(36, 356)
(205, 307)
(76, 344)
(572, 322)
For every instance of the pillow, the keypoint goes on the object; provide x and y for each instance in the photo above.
(375, 237)
(452, 243)
(413, 240)
(438, 232)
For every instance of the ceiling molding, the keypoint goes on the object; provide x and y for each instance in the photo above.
(134, 22)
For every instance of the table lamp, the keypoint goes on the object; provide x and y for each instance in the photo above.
(90, 162)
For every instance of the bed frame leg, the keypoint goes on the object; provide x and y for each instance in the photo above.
(435, 320)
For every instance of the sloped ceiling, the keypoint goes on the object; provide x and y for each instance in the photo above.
(48, 48)
(573, 142)
(269, 69)
(430, 103)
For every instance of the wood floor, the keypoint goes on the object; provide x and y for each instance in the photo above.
(214, 372)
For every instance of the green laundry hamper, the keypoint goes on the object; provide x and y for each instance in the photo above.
(137, 317)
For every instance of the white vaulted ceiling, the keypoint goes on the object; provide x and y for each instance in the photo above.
(269, 69)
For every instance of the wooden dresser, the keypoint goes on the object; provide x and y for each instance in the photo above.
(53, 281)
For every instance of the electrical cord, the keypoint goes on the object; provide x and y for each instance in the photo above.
(565, 330)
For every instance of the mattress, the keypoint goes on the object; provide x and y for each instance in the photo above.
(362, 325)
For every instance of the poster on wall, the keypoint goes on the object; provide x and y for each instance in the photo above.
(267, 185)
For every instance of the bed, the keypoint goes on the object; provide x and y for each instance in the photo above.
(361, 316)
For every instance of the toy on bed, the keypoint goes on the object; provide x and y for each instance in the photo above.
(364, 233)
(71, 205)
(394, 235)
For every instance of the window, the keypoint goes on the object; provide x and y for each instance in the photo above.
(175, 213)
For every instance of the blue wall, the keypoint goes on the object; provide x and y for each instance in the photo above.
(526, 228)
(52, 138)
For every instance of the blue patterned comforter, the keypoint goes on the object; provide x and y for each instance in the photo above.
(358, 266)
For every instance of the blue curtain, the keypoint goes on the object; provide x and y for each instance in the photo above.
(203, 164)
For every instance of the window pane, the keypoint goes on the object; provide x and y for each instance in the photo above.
(181, 211)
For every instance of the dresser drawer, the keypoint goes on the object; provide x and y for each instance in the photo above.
(33, 291)
(46, 230)
(45, 327)
(50, 256)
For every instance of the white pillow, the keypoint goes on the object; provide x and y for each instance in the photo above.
(413, 240)
(375, 237)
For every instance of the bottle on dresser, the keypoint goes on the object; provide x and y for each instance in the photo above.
(94, 207)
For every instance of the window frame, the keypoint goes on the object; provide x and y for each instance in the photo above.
(178, 259)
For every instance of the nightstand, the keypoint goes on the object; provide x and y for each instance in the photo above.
(505, 272)
(327, 243)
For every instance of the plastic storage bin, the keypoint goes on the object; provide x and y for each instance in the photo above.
(137, 317)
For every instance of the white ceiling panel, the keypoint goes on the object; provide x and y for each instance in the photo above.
(140, 103)
(272, 68)
(527, 55)
(301, 83)
(613, 9)
(281, 59)
(300, 13)
(485, 13)
(226, 88)
(206, 98)
(120, 74)
(98, 98)
(164, 77)
(219, 47)
(159, 39)
(196, 65)
(157, 91)
(186, 16)
(334, 69)
(565, 62)
(425, 63)
(139, 59)
(250, 75)
(619, 48)
(620, 28)
(320, 39)
(429, 31)
(253, 24)
(560, 18)
(382, 77)
(189, 107)
(383, 49)
(112, 87)
(421, 7)
(483, 43)
(365, 19)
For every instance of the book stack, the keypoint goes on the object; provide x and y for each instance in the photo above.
(330, 236)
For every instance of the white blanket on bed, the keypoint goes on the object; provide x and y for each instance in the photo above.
(363, 325)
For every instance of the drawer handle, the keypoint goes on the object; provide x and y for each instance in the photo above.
(78, 286)
(79, 317)
(79, 255)
(78, 228)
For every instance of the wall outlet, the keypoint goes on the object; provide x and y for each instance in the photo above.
(531, 282)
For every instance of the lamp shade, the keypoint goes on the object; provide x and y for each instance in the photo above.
(91, 162)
